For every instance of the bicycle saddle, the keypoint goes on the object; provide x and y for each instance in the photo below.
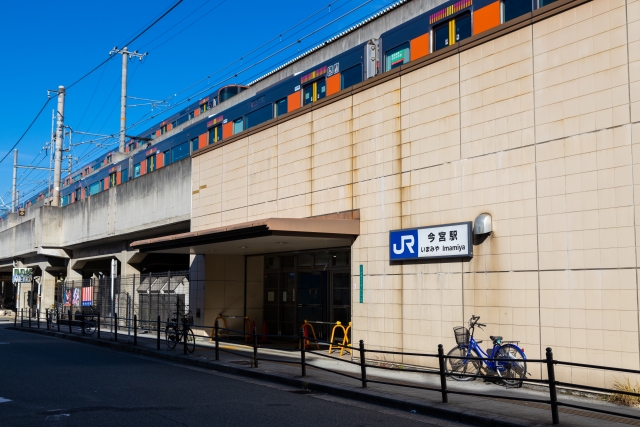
(495, 338)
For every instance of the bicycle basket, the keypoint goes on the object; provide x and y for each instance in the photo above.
(462, 335)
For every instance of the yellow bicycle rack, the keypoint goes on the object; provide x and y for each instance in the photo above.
(223, 326)
(345, 340)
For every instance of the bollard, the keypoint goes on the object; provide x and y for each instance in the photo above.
(29, 317)
(98, 325)
(553, 395)
(15, 320)
(135, 329)
(58, 319)
(255, 348)
(69, 321)
(302, 355)
(184, 335)
(158, 338)
(443, 374)
(21, 317)
(115, 318)
(82, 324)
(217, 340)
(363, 366)
(46, 316)
(38, 318)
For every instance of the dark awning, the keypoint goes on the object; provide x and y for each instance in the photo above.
(259, 237)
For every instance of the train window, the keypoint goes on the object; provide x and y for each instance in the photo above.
(65, 201)
(314, 91)
(125, 175)
(281, 107)
(463, 27)
(545, 2)
(112, 180)
(132, 146)
(215, 134)
(194, 144)
(179, 152)
(397, 56)
(191, 115)
(351, 76)
(109, 158)
(166, 158)
(181, 120)
(237, 125)
(204, 107)
(513, 8)
(260, 115)
(151, 163)
(94, 188)
(163, 130)
(136, 170)
(78, 193)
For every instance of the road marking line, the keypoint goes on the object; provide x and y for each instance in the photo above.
(3, 400)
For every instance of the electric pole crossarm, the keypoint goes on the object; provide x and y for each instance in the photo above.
(39, 168)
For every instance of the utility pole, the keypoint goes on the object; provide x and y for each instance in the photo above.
(126, 55)
(57, 168)
(14, 187)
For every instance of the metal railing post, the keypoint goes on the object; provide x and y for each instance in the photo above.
(215, 337)
(135, 329)
(29, 317)
(184, 335)
(69, 321)
(553, 395)
(82, 323)
(443, 374)
(98, 326)
(38, 318)
(363, 366)
(15, 320)
(158, 338)
(255, 348)
(58, 319)
(302, 355)
(46, 316)
(21, 316)
(115, 329)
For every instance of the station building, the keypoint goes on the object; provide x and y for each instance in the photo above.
(535, 124)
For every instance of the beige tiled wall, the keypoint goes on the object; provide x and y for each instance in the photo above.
(540, 128)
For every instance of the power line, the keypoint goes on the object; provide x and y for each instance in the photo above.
(25, 132)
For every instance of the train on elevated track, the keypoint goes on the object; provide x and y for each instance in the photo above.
(440, 28)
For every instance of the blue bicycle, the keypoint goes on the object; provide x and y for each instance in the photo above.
(511, 367)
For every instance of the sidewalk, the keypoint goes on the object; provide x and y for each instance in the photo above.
(488, 411)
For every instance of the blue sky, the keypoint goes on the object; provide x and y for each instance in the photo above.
(56, 43)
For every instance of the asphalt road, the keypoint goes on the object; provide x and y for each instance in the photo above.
(52, 382)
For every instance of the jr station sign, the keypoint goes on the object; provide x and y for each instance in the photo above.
(438, 241)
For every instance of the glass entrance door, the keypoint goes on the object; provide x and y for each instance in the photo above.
(312, 296)
(341, 297)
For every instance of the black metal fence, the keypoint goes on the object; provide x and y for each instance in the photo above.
(144, 296)
(178, 331)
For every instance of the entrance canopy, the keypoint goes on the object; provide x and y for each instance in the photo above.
(259, 237)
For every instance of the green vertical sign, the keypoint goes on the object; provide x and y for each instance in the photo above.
(361, 284)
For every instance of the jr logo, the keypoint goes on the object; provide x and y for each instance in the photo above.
(403, 244)
(408, 240)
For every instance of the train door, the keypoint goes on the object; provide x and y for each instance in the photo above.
(314, 91)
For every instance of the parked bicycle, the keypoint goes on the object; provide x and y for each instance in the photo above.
(175, 333)
(511, 366)
(90, 324)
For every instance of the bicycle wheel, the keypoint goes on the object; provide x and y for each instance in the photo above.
(191, 341)
(514, 367)
(462, 366)
(90, 328)
(172, 336)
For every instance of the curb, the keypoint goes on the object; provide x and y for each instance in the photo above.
(452, 414)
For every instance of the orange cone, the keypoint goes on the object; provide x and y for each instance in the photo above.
(306, 336)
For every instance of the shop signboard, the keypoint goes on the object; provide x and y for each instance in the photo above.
(433, 242)
(22, 275)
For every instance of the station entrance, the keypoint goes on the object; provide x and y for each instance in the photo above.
(307, 286)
